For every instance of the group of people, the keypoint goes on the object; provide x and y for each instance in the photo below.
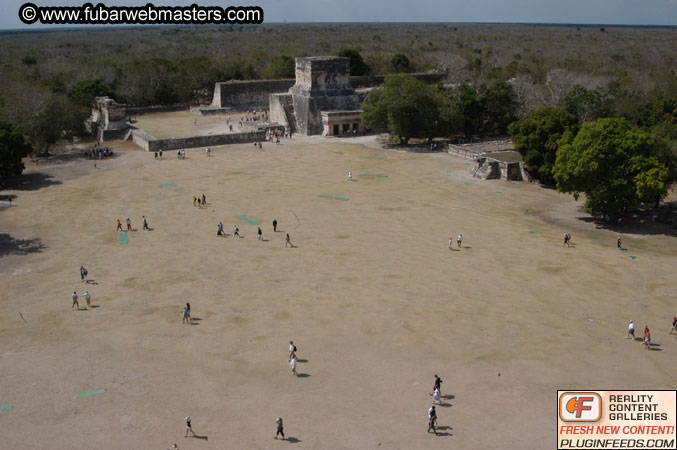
(432, 413)
(200, 201)
(129, 224)
(158, 153)
(275, 135)
(259, 232)
(83, 278)
(459, 241)
(180, 154)
(76, 304)
(98, 153)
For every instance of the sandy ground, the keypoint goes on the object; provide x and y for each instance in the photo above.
(185, 123)
(371, 295)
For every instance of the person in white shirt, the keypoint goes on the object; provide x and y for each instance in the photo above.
(350, 175)
(450, 241)
(631, 331)
(459, 240)
(88, 297)
(293, 366)
(292, 350)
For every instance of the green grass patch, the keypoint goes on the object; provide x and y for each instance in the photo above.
(249, 221)
(334, 198)
(90, 393)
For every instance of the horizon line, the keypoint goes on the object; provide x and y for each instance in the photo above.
(54, 27)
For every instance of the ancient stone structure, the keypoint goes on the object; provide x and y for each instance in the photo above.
(238, 95)
(322, 84)
(152, 144)
(337, 123)
(108, 120)
(488, 168)
(246, 95)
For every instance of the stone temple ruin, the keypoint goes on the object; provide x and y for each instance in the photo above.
(322, 101)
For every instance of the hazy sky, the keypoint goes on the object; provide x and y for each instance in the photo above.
(637, 12)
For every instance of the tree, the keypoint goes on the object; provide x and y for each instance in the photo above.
(60, 119)
(536, 140)
(13, 148)
(470, 108)
(586, 105)
(83, 92)
(409, 108)
(357, 65)
(281, 67)
(400, 62)
(614, 163)
(500, 103)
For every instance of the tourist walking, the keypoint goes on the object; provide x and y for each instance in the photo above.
(567, 238)
(450, 241)
(189, 426)
(432, 419)
(88, 297)
(459, 240)
(674, 324)
(631, 331)
(618, 243)
(287, 241)
(260, 233)
(292, 350)
(236, 231)
(647, 337)
(186, 315)
(438, 384)
(129, 224)
(274, 224)
(437, 397)
(119, 228)
(280, 428)
(75, 300)
(83, 274)
(220, 232)
(350, 175)
(145, 224)
(293, 366)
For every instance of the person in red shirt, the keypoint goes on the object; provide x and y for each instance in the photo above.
(647, 337)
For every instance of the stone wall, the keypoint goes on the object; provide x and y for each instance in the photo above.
(247, 95)
(282, 110)
(136, 110)
(147, 142)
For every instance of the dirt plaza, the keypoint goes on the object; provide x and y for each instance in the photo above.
(371, 294)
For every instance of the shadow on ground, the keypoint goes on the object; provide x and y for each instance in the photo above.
(32, 182)
(12, 246)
